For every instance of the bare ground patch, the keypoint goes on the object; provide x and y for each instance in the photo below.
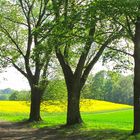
(24, 131)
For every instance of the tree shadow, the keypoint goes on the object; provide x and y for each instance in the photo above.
(23, 131)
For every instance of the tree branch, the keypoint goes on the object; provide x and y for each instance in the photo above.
(84, 54)
(68, 74)
(17, 67)
(118, 50)
(42, 12)
(5, 31)
(97, 56)
(20, 70)
(129, 28)
(22, 7)
(12, 20)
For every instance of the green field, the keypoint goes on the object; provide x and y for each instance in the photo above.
(121, 119)
(104, 125)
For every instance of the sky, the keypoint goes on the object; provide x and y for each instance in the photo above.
(11, 78)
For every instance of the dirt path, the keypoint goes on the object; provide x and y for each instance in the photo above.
(22, 131)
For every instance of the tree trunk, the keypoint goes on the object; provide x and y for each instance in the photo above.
(137, 79)
(73, 107)
(73, 83)
(35, 104)
(136, 98)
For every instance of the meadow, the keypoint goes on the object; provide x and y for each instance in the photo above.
(102, 120)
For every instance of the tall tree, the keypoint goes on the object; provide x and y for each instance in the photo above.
(79, 45)
(126, 14)
(25, 26)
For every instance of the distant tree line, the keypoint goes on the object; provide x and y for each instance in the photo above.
(20, 96)
(14, 95)
(104, 85)
(110, 86)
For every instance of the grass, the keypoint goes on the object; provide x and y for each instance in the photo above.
(108, 124)
(104, 125)
(113, 120)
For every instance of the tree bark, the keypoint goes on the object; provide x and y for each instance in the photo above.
(137, 79)
(73, 89)
(73, 107)
(36, 95)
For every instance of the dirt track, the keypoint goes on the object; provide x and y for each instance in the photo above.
(20, 131)
(23, 131)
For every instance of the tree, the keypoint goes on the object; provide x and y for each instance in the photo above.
(126, 14)
(20, 96)
(126, 89)
(80, 43)
(3, 97)
(13, 96)
(98, 86)
(86, 92)
(24, 28)
(137, 77)
(109, 85)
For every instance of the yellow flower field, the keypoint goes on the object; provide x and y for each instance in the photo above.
(14, 106)
(86, 105)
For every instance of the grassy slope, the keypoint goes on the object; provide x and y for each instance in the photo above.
(57, 106)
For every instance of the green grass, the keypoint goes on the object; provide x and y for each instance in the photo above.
(121, 119)
(102, 125)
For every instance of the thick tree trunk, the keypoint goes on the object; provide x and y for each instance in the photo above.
(137, 79)
(137, 98)
(35, 104)
(73, 108)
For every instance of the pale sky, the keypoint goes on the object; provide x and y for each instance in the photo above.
(13, 79)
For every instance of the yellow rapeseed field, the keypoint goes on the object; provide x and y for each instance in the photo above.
(86, 105)
(14, 106)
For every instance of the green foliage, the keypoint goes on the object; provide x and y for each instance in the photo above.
(24, 31)
(121, 14)
(76, 21)
(3, 97)
(5, 93)
(56, 90)
(13, 96)
(110, 86)
(20, 96)
(86, 91)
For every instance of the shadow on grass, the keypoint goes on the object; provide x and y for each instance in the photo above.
(23, 130)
